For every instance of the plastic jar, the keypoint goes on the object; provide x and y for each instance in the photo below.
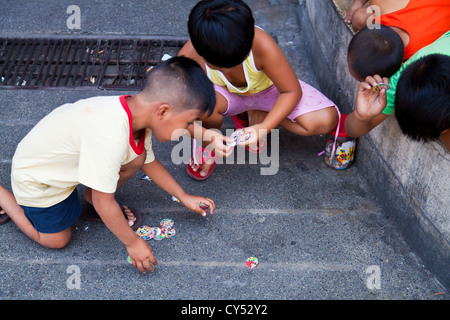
(344, 148)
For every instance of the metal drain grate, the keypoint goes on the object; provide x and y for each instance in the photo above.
(109, 62)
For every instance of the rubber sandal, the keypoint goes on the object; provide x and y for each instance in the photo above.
(88, 213)
(4, 218)
(203, 154)
(240, 120)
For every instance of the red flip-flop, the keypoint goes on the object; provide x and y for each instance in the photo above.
(240, 120)
(202, 154)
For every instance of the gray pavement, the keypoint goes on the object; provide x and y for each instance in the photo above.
(317, 232)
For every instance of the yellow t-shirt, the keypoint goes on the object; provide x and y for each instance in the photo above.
(83, 142)
(257, 80)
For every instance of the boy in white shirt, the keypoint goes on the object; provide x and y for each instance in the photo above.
(101, 142)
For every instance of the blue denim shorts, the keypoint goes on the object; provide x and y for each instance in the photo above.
(56, 218)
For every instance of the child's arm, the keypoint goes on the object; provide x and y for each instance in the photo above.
(369, 106)
(269, 58)
(159, 174)
(111, 214)
(189, 52)
(215, 119)
(214, 136)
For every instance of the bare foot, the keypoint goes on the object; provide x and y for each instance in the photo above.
(131, 217)
(205, 166)
(357, 4)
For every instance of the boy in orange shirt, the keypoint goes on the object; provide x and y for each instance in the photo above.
(407, 25)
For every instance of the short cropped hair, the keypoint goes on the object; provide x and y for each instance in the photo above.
(422, 101)
(222, 31)
(375, 51)
(182, 83)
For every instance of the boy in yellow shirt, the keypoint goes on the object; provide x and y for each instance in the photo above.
(101, 142)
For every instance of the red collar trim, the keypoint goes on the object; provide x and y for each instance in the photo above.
(140, 147)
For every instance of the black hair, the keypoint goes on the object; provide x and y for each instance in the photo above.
(422, 101)
(375, 51)
(222, 31)
(182, 83)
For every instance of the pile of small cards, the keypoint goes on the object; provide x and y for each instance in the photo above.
(165, 230)
(238, 136)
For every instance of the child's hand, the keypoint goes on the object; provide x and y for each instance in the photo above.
(141, 255)
(257, 132)
(218, 143)
(195, 203)
(370, 102)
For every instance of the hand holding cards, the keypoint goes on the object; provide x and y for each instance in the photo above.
(238, 136)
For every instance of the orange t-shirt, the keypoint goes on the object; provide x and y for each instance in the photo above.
(424, 21)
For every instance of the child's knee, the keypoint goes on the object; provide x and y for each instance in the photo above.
(319, 122)
(58, 244)
(256, 116)
(359, 18)
(55, 240)
(330, 119)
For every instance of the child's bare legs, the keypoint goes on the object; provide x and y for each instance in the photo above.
(15, 212)
(313, 123)
(60, 239)
(214, 121)
(309, 124)
(126, 172)
(356, 4)
(360, 16)
(207, 123)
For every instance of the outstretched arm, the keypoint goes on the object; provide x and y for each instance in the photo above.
(369, 106)
(159, 174)
(138, 249)
(269, 58)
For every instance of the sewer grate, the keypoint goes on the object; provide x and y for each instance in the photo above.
(109, 62)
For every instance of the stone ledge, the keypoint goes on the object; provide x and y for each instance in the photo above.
(341, 6)
(410, 179)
